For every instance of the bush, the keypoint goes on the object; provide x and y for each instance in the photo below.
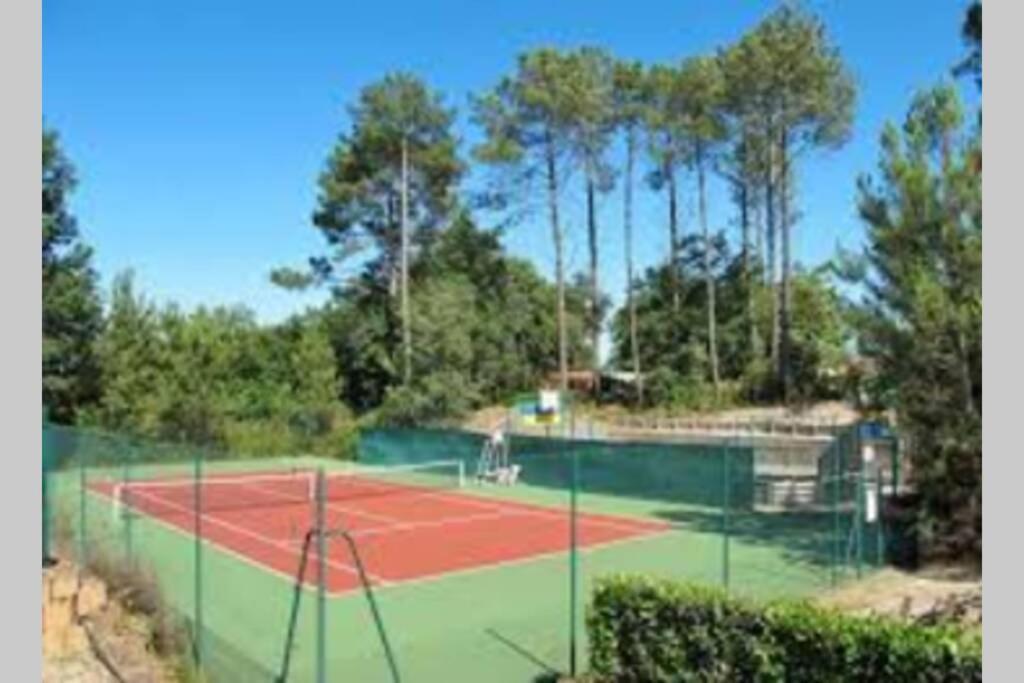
(646, 630)
(665, 388)
(324, 433)
(432, 399)
(139, 591)
(259, 438)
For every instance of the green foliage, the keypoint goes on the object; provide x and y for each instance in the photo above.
(971, 33)
(359, 190)
(647, 630)
(217, 377)
(665, 101)
(701, 85)
(72, 316)
(593, 114)
(484, 328)
(530, 111)
(531, 130)
(920, 316)
(788, 92)
(128, 353)
(797, 78)
(820, 333)
(674, 344)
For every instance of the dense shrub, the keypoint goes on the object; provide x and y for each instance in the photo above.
(648, 631)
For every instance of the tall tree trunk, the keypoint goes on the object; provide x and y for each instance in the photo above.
(709, 280)
(786, 298)
(634, 345)
(556, 235)
(392, 261)
(960, 339)
(673, 237)
(966, 385)
(595, 323)
(770, 233)
(406, 320)
(745, 249)
(759, 227)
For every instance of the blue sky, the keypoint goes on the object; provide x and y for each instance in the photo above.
(198, 128)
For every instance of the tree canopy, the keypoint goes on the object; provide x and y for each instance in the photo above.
(920, 316)
(72, 315)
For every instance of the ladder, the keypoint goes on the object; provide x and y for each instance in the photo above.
(493, 464)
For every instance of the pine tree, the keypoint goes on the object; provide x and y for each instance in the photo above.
(72, 317)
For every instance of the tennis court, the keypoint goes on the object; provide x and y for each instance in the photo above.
(407, 528)
(470, 581)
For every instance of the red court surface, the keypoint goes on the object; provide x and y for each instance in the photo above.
(404, 533)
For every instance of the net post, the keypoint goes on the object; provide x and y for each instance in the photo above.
(462, 473)
(321, 579)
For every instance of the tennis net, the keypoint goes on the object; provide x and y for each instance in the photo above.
(292, 487)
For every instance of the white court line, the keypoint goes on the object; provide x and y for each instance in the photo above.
(283, 545)
(526, 508)
(483, 567)
(639, 534)
(332, 506)
(426, 524)
(219, 547)
(638, 531)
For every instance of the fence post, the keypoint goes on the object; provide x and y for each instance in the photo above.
(836, 455)
(879, 527)
(197, 522)
(896, 455)
(725, 516)
(47, 466)
(573, 559)
(858, 508)
(83, 531)
(124, 510)
(321, 579)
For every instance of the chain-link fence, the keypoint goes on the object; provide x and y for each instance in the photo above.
(408, 566)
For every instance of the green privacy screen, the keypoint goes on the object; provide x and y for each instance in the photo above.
(685, 473)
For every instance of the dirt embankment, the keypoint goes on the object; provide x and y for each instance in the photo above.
(89, 637)
(929, 596)
(607, 418)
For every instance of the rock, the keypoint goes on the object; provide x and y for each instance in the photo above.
(92, 597)
(62, 636)
(63, 582)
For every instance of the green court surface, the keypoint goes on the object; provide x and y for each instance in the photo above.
(505, 622)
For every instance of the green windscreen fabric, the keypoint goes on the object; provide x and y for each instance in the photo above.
(682, 473)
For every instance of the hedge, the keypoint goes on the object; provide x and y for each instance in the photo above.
(644, 630)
